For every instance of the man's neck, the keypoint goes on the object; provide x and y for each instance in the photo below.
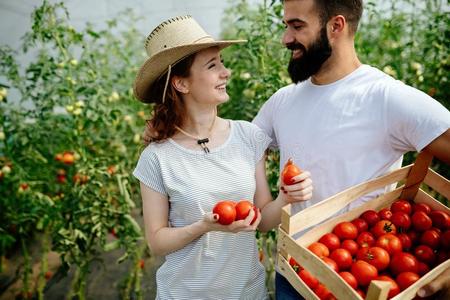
(340, 64)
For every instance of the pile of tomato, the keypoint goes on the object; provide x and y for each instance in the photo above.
(229, 211)
(398, 244)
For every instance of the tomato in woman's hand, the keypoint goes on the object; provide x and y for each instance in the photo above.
(390, 243)
(226, 212)
(349, 278)
(364, 272)
(243, 208)
(404, 262)
(351, 246)
(385, 214)
(421, 207)
(401, 220)
(290, 170)
(361, 225)
(331, 241)
(431, 238)
(383, 227)
(342, 257)
(394, 290)
(401, 205)
(376, 256)
(308, 279)
(421, 221)
(405, 279)
(370, 216)
(365, 239)
(440, 219)
(346, 231)
(319, 249)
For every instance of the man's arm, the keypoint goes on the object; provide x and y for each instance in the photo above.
(440, 147)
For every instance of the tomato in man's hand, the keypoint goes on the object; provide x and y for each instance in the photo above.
(226, 212)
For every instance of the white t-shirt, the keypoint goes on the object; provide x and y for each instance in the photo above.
(217, 265)
(352, 130)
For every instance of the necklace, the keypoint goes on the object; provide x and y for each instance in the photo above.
(200, 141)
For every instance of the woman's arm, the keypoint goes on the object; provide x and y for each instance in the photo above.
(271, 209)
(163, 239)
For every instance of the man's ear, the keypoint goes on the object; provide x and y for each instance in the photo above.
(337, 24)
(180, 84)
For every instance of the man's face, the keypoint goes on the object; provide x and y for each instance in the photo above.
(306, 37)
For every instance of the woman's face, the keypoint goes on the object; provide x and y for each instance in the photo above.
(208, 78)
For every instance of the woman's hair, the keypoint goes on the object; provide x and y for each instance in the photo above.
(165, 116)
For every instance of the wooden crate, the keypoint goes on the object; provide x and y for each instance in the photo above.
(412, 176)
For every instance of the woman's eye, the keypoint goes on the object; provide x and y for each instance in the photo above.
(211, 66)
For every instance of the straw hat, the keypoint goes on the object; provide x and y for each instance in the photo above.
(166, 45)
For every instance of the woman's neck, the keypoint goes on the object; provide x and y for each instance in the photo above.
(200, 123)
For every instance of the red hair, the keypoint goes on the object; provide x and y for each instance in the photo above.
(165, 116)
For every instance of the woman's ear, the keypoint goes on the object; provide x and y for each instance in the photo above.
(180, 84)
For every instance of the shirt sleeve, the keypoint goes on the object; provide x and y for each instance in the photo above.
(148, 171)
(260, 141)
(264, 120)
(414, 118)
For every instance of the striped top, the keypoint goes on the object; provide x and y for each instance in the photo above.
(217, 265)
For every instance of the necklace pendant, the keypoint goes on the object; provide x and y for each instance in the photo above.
(203, 141)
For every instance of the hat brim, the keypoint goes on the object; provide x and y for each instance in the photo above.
(156, 66)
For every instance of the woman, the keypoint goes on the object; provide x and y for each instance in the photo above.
(195, 159)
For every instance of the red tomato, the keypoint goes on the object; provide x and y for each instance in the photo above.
(405, 240)
(364, 272)
(342, 257)
(405, 279)
(319, 249)
(361, 293)
(440, 219)
(370, 216)
(366, 239)
(390, 243)
(351, 246)
(361, 225)
(308, 279)
(295, 265)
(421, 221)
(423, 268)
(331, 263)
(385, 214)
(401, 220)
(383, 227)
(322, 292)
(430, 238)
(445, 240)
(401, 205)
(394, 290)
(290, 170)
(346, 231)
(421, 207)
(376, 256)
(243, 209)
(425, 254)
(350, 279)
(226, 212)
(413, 236)
(441, 256)
(404, 262)
(331, 241)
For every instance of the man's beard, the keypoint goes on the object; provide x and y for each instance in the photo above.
(310, 60)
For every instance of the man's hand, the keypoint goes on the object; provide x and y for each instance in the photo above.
(439, 287)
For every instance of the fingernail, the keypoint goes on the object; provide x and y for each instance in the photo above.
(421, 293)
(216, 217)
(282, 188)
(284, 192)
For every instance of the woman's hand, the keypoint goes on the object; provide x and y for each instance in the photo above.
(211, 221)
(301, 190)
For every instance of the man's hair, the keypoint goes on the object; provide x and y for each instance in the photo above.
(350, 9)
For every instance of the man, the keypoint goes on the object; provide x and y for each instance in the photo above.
(343, 121)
